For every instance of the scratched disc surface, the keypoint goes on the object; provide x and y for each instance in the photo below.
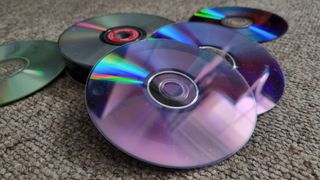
(257, 66)
(206, 113)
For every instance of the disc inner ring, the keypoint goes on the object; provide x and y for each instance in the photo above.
(237, 22)
(172, 89)
(11, 67)
(221, 53)
(122, 35)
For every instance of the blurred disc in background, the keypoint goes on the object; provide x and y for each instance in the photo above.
(26, 67)
(257, 25)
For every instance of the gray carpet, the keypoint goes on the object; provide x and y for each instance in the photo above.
(49, 134)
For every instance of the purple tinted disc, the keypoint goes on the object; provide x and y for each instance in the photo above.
(257, 25)
(258, 67)
(213, 127)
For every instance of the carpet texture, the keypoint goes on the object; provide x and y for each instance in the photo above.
(49, 135)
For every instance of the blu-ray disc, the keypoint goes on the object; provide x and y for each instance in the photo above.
(170, 104)
(26, 67)
(258, 67)
(86, 41)
(257, 25)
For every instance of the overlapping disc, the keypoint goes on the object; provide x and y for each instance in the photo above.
(258, 67)
(86, 41)
(256, 24)
(170, 104)
(26, 67)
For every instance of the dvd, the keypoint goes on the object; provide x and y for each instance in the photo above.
(26, 67)
(170, 104)
(257, 25)
(86, 41)
(258, 67)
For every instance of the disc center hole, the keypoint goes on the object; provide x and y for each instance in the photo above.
(123, 35)
(237, 22)
(222, 54)
(11, 67)
(171, 88)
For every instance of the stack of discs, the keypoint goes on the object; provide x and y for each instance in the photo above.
(257, 66)
(86, 41)
(180, 95)
(165, 102)
(186, 96)
(257, 25)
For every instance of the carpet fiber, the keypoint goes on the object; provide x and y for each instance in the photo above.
(49, 134)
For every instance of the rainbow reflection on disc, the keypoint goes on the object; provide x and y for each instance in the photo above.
(26, 67)
(170, 104)
(88, 40)
(257, 66)
(257, 25)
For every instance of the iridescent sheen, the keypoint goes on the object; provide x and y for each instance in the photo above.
(210, 13)
(83, 43)
(265, 26)
(91, 26)
(119, 70)
(116, 65)
(259, 30)
(218, 125)
(103, 77)
(39, 73)
(44, 62)
(251, 59)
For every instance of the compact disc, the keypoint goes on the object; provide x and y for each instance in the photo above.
(170, 104)
(257, 25)
(26, 67)
(258, 67)
(86, 41)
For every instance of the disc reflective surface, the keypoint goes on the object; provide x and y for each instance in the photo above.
(88, 40)
(258, 67)
(39, 63)
(257, 25)
(214, 127)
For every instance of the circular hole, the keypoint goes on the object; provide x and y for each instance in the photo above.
(123, 35)
(172, 89)
(237, 22)
(221, 53)
(10, 67)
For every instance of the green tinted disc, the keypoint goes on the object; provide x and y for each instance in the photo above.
(26, 67)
